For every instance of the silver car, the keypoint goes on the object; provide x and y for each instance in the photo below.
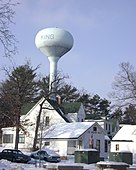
(46, 155)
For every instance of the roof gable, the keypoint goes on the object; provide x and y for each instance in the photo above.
(54, 105)
(57, 107)
(27, 107)
(62, 110)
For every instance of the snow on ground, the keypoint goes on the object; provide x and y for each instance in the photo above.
(7, 165)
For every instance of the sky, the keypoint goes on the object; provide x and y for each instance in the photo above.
(104, 33)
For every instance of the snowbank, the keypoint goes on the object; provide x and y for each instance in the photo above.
(6, 165)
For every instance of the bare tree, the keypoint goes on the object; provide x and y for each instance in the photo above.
(37, 125)
(7, 39)
(46, 94)
(124, 85)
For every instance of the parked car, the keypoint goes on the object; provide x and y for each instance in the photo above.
(14, 155)
(46, 155)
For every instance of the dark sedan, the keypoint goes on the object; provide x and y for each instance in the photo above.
(14, 155)
(46, 155)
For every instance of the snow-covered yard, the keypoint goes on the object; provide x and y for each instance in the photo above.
(7, 165)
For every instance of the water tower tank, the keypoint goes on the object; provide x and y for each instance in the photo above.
(54, 43)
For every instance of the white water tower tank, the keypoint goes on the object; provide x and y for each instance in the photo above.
(54, 43)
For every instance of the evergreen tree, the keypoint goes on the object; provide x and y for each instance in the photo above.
(19, 88)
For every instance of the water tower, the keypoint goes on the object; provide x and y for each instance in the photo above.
(54, 43)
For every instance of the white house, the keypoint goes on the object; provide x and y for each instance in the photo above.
(51, 114)
(125, 140)
(111, 126)
(65, 138)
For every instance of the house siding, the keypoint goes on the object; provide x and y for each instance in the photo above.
(123, 146)
(125, 140)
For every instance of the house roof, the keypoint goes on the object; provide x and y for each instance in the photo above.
(72, 117)
(27, 107)
(68, 130)
(31, 109)
(126, 133)
(71, 107)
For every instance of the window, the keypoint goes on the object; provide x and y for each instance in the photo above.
(8, 138)
(21, 138)
(46, 143)
(47, 121)
(106, 146)
(117, 147)
(95, 129)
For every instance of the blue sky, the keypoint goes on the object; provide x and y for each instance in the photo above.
(104, 33)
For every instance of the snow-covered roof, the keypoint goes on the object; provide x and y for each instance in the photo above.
(101, 123)
(68, 130)
(72, 117)
(106, 137)
(126, 133)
